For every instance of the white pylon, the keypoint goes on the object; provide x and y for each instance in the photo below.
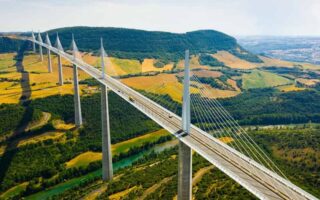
(59, 47)
(33, 42)
(74, 48)
(40, 47)
(58, 44)
(185, 153)
(77, 104)
(102, 60)
(49, 53)
(186, 95)
(48, 40)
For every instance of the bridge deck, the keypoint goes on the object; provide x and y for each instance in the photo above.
(260, 181)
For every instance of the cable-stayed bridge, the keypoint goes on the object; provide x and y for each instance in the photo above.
(242, 159)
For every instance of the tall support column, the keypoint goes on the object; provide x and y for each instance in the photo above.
(60, 70)
(40, 47)
(49, 53)
(102, 60)
(59, 47)
(77, 104)
(107, 170)
(185, 153)
(49, 61)
(33, 43)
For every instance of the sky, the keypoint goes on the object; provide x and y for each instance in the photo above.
(234, 17)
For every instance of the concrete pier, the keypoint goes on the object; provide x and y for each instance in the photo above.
(49, 61)
(77, 104)
(60, 70)
(33, 43)
(185, 153)
(107, 170)
(40, 47)
(184, 172)
(49, 53)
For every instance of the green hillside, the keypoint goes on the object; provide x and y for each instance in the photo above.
(262, 79)
(8, 45)
(139, 44)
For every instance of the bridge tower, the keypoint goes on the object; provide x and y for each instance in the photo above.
(185, 153)
(40, 47)
(49, 53)
(77, 103)
(59, 47)
(107, 170)
(33, 43)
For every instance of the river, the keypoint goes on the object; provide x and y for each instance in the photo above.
(58, 189)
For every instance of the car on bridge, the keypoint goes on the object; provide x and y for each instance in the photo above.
(131, 99)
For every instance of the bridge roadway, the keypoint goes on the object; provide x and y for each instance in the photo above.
(257, 179)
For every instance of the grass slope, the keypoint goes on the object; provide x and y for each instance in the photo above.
(262, 79)
(87, 157)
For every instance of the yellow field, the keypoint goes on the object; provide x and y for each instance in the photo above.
(120, 195)
(45, 117)
(233, 83)
(275, 62)
(226, 139)
(2, 149)
(46, 136)
(138, 141)
(194, 64)
(85, 158)
(114, 66)
(126, 65)
(61, 125)
(148, 66)
(205, 73)
(160, 84)
(281, 63)
(308, 82)
(234, 62)
(9, 92)
(7, 61)
(288, 88)
(210, 92)
(37, 81)
(217, 93)
(14, 191)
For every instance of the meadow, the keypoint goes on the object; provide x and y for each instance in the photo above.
(86, 158)
(262, 79)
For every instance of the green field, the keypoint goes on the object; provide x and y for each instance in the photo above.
(127, 65)
(138, 141)
(87, 157)
(57, 189)
(262, 79)
(60, 188)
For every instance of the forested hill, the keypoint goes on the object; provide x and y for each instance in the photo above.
(139, 44)
(8, 45)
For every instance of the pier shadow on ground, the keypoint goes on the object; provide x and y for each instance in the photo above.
(11, 145)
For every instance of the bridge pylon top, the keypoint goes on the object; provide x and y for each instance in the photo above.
(39, 37)
(58, 43)
(186, 120)
(32, 35)
(48, 40)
